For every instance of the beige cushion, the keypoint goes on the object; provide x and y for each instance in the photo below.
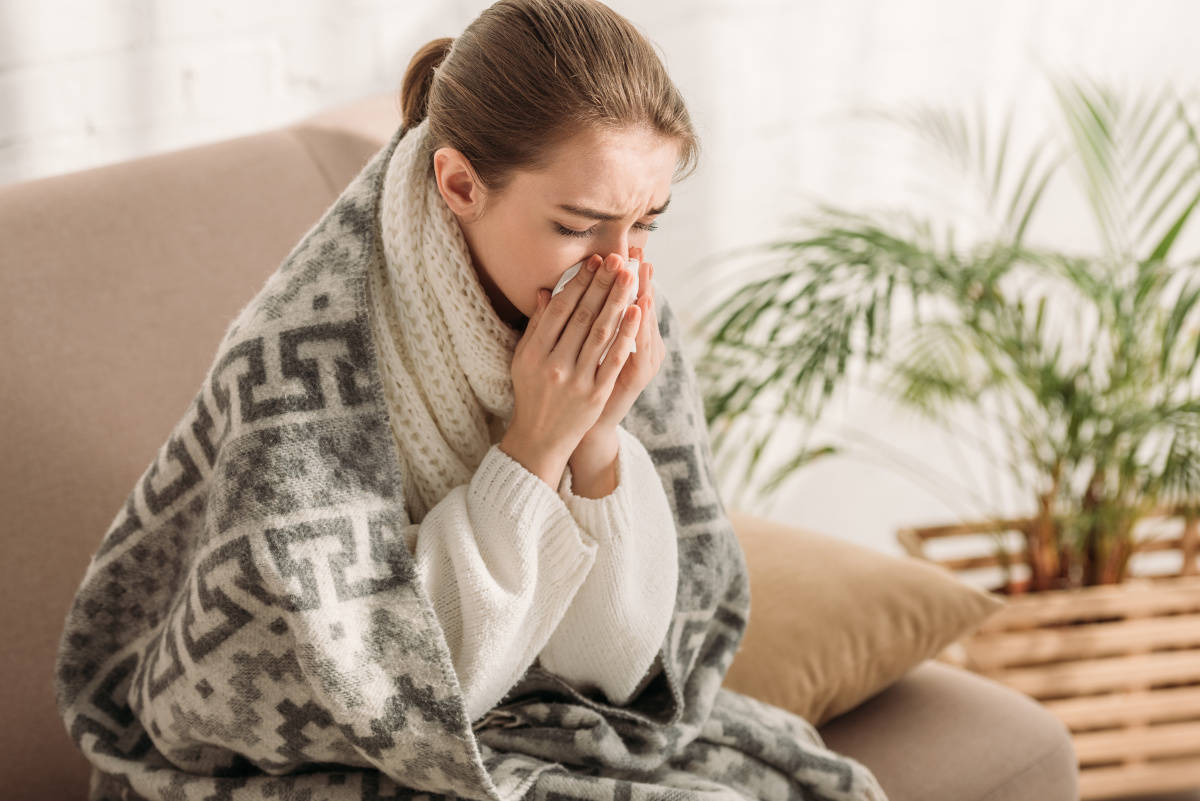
(833, 623)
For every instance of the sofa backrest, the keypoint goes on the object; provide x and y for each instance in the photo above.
(116, 285)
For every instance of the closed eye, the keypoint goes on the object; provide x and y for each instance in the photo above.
(572, 232)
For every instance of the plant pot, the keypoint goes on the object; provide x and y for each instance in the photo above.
(1119, 664)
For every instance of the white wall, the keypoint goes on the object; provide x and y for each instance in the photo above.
(87, 83)
(769, 84)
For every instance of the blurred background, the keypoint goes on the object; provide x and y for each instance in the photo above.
(773, 88)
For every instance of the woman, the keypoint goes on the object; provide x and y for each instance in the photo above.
(427, 530)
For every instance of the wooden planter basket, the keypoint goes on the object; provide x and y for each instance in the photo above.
(1119, 664)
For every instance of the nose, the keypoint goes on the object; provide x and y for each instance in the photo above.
(618, 243)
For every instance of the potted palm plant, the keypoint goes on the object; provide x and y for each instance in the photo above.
(1089, 360)
(1085, 363)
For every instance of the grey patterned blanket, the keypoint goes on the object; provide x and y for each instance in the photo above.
(251, 627)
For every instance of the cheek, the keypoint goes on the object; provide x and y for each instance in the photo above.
(561, 253)
(533, 259)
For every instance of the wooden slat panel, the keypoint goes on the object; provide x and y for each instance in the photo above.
(1154, 777)
(913, 540)
(1016, 560)
(972, 527)
(990, 651)
(1176, 514)
(1116, 709)
(962, 563)
(1118, 656)
(1139, 597)
(1143, 573)
(1098, 675)
(1162, 740)
(1016, 557)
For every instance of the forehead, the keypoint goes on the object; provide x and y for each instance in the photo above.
(620, 171)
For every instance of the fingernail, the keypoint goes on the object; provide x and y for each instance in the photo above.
(592, 264)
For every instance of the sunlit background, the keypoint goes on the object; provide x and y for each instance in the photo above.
(773, 88)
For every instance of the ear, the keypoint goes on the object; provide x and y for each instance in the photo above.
(461, 188)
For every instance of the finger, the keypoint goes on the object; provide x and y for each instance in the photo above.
(618, 354)
(646, 332)
(599, 311)
(561, 307)
(656, 335)
(538, 311)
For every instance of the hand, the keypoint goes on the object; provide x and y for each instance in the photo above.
(559, 392)
(593, 462)
(642, 365)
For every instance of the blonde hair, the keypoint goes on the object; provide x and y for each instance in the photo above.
(526, 75)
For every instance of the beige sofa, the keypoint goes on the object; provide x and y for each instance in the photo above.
(97, 368)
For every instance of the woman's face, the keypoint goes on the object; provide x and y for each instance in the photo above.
(522, 241)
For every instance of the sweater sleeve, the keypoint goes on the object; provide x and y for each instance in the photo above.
(615, 626)
(501, 558)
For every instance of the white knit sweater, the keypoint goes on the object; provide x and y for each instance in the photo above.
(515, 569)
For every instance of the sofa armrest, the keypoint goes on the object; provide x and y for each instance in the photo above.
(341, 140)
(942, 733)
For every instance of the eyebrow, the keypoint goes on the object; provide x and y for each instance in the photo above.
(601, 215)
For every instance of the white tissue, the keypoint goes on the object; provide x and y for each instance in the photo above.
(630, 264)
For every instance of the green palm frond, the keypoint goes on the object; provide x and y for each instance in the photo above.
(1010, 197)
(1093, 357)
(1139, 161)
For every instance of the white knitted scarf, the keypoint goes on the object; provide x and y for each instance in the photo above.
(446, 354)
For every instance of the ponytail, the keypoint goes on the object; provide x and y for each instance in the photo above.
(418, 77)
